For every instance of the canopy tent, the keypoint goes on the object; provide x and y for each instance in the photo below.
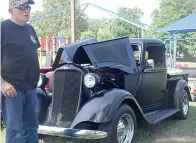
(184, 25)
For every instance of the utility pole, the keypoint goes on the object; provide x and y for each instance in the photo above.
(73, 22)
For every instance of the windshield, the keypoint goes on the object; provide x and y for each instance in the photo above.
(64, 57)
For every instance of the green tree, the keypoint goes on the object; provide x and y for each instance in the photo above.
(87, 34)
(112, 28)
(169, 11)
(59, 22)
(94, 25)
(127, 29)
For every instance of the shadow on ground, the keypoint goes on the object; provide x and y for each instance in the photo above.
(168, 131)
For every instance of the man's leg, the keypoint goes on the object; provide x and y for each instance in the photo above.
(30, 118)
(12, 111)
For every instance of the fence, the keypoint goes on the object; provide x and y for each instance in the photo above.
(49, 48)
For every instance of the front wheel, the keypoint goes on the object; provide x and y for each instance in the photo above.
(122, 128)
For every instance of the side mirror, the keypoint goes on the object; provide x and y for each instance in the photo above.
(150, 63)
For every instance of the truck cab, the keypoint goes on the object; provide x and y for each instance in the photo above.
(152, 77)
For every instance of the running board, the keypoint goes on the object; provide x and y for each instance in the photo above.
(160, 115)
(72, 133)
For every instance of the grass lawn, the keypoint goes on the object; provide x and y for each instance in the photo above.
(168, 131)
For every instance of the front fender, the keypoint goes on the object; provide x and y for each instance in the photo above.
(102, 107)
(43, 102)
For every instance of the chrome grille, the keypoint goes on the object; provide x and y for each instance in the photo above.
(66, 94)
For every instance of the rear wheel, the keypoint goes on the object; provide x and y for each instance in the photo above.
(122, 128)
(183, 105)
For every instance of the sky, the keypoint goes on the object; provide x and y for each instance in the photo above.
(111, 5)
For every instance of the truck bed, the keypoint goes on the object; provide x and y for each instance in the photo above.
(182, 71)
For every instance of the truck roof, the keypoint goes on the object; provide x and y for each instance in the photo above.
(144, 41)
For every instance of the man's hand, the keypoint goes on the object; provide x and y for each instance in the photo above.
(7, 89)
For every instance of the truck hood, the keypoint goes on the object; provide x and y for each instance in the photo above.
(115, 53)
(69, 50)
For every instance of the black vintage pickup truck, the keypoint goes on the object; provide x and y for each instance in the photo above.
(110, 87)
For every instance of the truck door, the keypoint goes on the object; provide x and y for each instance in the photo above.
(153, 83)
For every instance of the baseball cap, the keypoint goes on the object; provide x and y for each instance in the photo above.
(17, 3)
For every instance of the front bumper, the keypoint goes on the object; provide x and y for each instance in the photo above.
(71, 133)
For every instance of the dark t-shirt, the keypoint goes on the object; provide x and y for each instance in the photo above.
(19, 59)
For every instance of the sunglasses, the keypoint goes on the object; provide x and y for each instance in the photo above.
(24, 7)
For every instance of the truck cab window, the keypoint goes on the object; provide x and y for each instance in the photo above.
(136, 52)
(157, 54)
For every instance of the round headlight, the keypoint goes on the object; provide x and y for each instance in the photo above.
(40, 81)
(90, 80)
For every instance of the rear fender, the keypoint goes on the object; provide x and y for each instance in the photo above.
(102, 107)
(174, 90)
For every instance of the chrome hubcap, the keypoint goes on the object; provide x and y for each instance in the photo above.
(185, 104)
(125, 129)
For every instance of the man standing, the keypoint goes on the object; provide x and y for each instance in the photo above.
(19, 74)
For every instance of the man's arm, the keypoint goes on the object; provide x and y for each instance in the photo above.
(6, 88)
(2, 80)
